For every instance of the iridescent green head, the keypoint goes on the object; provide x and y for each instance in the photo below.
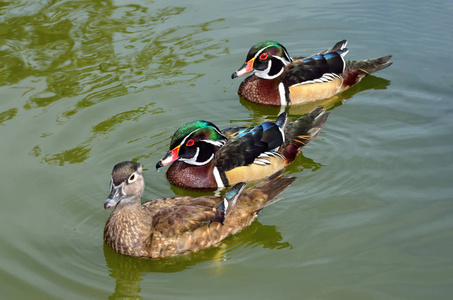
(198, 131)
(194, 143)
(267, 60)
(271, 48)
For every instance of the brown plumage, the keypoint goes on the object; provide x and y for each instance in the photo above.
(175, 225)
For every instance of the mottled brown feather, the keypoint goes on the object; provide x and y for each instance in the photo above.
(177, 225)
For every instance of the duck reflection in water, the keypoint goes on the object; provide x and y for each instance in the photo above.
(128, 271)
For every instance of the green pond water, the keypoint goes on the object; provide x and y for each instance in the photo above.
(87, 84)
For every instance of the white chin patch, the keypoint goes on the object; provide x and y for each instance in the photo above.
(265, 74)
(193, 160)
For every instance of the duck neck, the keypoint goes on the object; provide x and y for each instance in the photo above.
(128, 229)
(263, 91)
(196, 177)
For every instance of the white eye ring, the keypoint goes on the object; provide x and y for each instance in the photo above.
(132, 178)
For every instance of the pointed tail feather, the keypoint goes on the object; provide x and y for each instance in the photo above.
(251, 201)
(302, 131)
(274, 185)
(368, 66)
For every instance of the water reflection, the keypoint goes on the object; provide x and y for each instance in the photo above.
(81, 152)
(86, 52)
(128, 271)
(8, 115)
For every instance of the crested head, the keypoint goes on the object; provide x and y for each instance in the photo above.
(262, 45)
(194, 143)
(199, 131)
(267, 60)
(271, 48)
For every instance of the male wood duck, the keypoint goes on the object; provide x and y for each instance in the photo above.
(175, 225)
(278, 79)
(205, 157)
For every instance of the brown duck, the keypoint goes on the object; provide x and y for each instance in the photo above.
(175, 225)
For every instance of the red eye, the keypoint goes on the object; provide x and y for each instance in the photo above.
(263, 56)
(190, 143)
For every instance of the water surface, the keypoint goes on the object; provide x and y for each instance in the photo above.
(87, 84)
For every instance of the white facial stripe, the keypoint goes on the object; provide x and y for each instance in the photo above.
(187, 136)
(285, 62)
(261, 51)
(218, 132)
(269, 65)
(282, 60)
(265, 74)
(215, 143)
(193, 161)
(287, 55)
(208, 141)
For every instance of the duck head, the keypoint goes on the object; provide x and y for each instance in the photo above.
(194, 143)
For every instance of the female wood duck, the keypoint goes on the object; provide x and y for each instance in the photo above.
(176, 225)
(205, 157)
(277, 79)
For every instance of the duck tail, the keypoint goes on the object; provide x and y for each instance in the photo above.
(356, 70)
(302, 131)
(273, 186)
(368, 66)
(251, 201)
